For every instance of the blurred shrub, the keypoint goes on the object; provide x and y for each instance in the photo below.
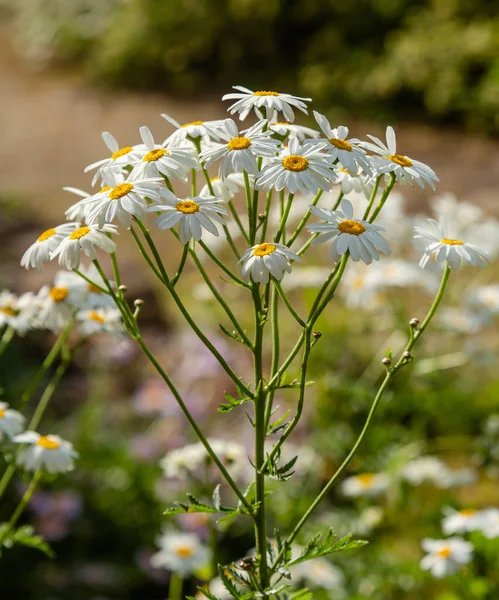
(402, 55)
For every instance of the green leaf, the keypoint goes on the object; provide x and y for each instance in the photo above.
(196, 506)
(232, 403)
(277, 472)
(25, 537)
(324, 544)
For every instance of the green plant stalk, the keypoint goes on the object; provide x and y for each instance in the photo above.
(249, 207)
(6, 338)
(22, 504)
(284, 218)
(90, 282)
(116, 271)
(267, 215)
(287, 303)
(193, 182)
(238, 221)
(175, 588)
(144, 253)
(274, 316)
(312, 237)
(305, 219)
(254, 209)
(384, 197)
(390, 373)
(185, 252)
(372, 197)
(218, 262)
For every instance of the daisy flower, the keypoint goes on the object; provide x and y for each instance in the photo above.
(11, 422)
(263, 260)
(319, 572)
(407, 170)
(239, 152)
(445, 557)
(181, 553)
(99, 320)
(298, 168)
(18, 312)
(193, 213)
(270, 102)
(55, 303)
(287, 129)
(365, 484)
(360, 238)
(48, 452)
(347, 152)
(120, 157)
(490, 522)
(461, 521)
(121, 198)
(193, 129)
(360, 183)
(8, 308)
(425, 469)
(39, 252)
(77, 211)
(224, 189)
(84, 239)
(445, 249)
(155, 160)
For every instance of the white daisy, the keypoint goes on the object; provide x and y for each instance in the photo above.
(286, 129)
(224, 189)
(120, 157)
(490, 522)
(122, 198)
(48, 452)
(271, 102)
(155, 160)
(445, 557)
(365, 484)
(84, 239)
(318, 573)
(99, 320)
(263, 260)
(239, 153)
(56, 303)
(11, 422)
(347, 152)
(445, 249)
(193, 129)
(40, 251)
(181, 462)
(425, 469)
(76, 212)
(181, 553)
(356, 236)
(407, 170)
(360, 183)
(18, 312)
(193, 213)
(298, 168)
(8, 308)
(485, 298)
(461, 521)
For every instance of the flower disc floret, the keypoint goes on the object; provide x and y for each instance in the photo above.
(47, 234)
(403, 161)
(239, 143)
(187, 207)
(121, 152)
(120, 190)
(295, 163)
(79, 233)
(340, 144)
(120, 157)
(47, 443)
(59, 294)
(264, 249)
(156, 154)
(352, 227)
(262, 261)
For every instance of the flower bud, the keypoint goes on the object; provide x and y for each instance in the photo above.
(138, 302)
(123, 288)
(414, 322)
(317, 334)
(387, 361)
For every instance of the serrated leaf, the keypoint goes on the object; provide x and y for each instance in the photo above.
(231, 404)
(196, 506)
(25, 537)
(228, 584)
(232, 335)
(281, 473)
(324, 544)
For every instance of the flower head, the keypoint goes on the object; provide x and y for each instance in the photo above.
(120, 157)
(181, 553)
(84, 239)
(461, 521)
(11, 422)
(223, 189)
(263, 260)
(39, 252)
(270, 102)
(365, 484)
(287, 129)
(193, 130)
(48, 452)
(445, 557)
(360, 238)
(99, 320)
(446, 249)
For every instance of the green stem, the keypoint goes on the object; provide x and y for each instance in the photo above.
(144, 253)
(185, 252)
(249, 207)
(384, 197)
(282, 224)
(284, 298)
(222, 266)
(304, 221)
(275, 379)
(22, 505)
(238, 221)
(6, 338)
(372, 197)
(116, 270)
(274, 315)
(193, 182)
(330, 294)
(254, 209)
(92, 283)
(267, 216)
(176, 585)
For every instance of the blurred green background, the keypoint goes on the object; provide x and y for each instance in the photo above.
(70, 69)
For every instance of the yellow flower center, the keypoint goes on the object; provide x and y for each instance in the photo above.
(184, 551)
(295, 163)
(94, 289)
(213, 179)
(283, 123)
(265, 93)
(106, 188)
(351, 227)
(346, 171)
(79, 233)
(9, 311)
(239, 143)
(94, 316)
(44, 442)
(120, 190)
(188, 207)
(2, 413)
(444, 552)
(121, 152)
(468, 512)
(341, 144)
(264, 249)
(47, 234)
(403, 161)
(451, 242)
(192, 123)
(58, 294)
(155, 154)
(366, 479)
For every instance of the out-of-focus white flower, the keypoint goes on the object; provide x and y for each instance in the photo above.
(99, 320)
(318, 573)
(455, 318)
(121, 156)
(407, 170)
(8, 308)
(263, 260)
(155, 160)
(485, 298)
(49, 452)
(218, 589)
(365, 484)
(11, 422)
(360, 183)
(18, 312)
(347, 152)
(461, 521)
(84, 239)
(445, 557)
(193, 213)
(224, 189)
(240, 152)
(284, 128)
(489, 525)
(76, 212)
(55, 305)
(193, 129)
(181, 553)
(445, 249)
(40, 251)
(457, 477)
(271, 102)
(360, 238)
(424, 469)
(298, 168)
(93, 296)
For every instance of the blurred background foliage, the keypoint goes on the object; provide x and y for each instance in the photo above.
(373, 58)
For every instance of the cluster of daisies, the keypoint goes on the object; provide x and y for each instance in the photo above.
(272, 155)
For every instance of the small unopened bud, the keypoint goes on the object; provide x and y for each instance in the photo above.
(387, 361)
(247, 563)
(138, 302)
(261, 217)
(317, 334)
(123, 288)
(414, 322)
(407, 355)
